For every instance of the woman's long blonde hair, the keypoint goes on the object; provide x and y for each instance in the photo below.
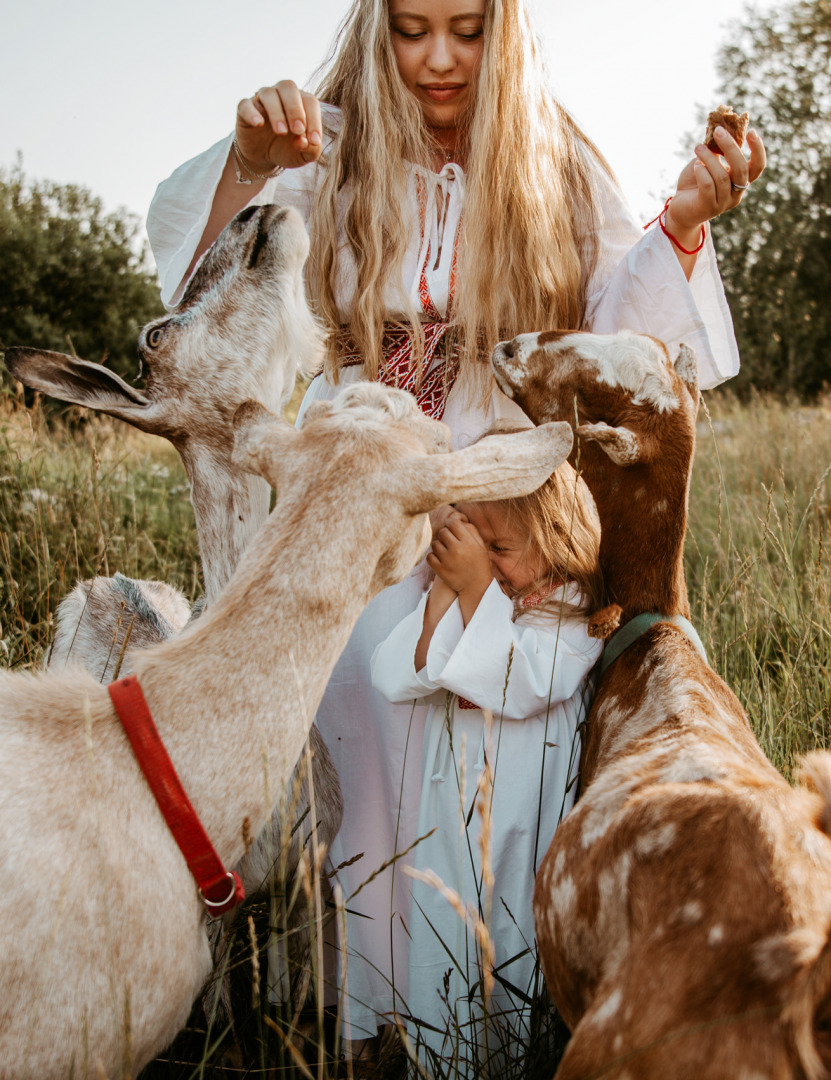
(527, 247)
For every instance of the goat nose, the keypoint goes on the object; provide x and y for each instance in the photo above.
(247, 213)
(509, 348)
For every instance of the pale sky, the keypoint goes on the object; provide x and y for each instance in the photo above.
(114, 96)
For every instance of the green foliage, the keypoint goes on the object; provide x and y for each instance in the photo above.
(775, 253)
(70, 276)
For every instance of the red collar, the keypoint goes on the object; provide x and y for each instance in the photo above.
(219, 889)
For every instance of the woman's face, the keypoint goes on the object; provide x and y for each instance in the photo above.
(438, 47)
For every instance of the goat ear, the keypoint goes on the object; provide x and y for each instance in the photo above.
(621, 444)
(686, 366)
(77, 381)
(260, 440)
(497, 467)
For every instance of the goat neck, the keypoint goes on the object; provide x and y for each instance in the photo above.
(253, 724)
(643, 520)
(229, 508)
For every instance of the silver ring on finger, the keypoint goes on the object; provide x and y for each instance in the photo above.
(738, 187)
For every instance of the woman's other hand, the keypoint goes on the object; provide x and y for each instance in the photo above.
(279, 126)
(713, 183)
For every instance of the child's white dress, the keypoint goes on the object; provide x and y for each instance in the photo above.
(532, 675)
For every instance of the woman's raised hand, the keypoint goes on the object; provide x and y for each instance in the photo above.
(279, 126)
(712, 183)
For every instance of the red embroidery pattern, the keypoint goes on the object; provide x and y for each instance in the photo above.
(398, 367)
(423, 288)
(534, 599)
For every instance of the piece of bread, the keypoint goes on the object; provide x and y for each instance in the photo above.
(730, 121)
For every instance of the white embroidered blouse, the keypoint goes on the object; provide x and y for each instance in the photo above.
(638, 284)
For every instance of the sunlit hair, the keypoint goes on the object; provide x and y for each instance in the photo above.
(561, 523)
(527, 247)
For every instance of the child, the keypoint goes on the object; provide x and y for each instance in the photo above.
(503, 628)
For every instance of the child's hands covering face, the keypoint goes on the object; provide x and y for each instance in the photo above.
(459, 556)
(442, 516)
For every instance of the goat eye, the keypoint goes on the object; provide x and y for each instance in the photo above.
(154, 338)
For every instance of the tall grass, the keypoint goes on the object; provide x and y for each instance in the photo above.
(758, 564)
(78, 500)
(92, 496)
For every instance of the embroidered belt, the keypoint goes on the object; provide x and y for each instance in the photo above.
(429, 382)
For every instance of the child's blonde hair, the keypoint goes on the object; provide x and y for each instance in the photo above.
(528, 244)
(562, 526)
(561, 523)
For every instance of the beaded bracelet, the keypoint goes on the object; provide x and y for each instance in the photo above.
(666, 232)
(241, 163)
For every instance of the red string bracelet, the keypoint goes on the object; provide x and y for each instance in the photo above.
(666, 232)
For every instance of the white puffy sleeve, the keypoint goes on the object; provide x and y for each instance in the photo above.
(515, 669)
(393, 662)
(182, 204)
(639, 285)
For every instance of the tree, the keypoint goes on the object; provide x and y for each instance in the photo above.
(70, 276)
(775, 254)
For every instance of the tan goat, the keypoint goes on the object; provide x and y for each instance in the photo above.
(683, 908)
(104, 938)
(240, 331)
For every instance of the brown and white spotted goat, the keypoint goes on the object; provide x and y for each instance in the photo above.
(683, 908)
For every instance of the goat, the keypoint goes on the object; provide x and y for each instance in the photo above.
(104, 939)
(240, 331)
(683, 908)
(103, 617)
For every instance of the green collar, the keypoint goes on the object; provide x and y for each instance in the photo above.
(631, 631)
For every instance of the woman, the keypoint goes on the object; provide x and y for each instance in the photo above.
(451, 203)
